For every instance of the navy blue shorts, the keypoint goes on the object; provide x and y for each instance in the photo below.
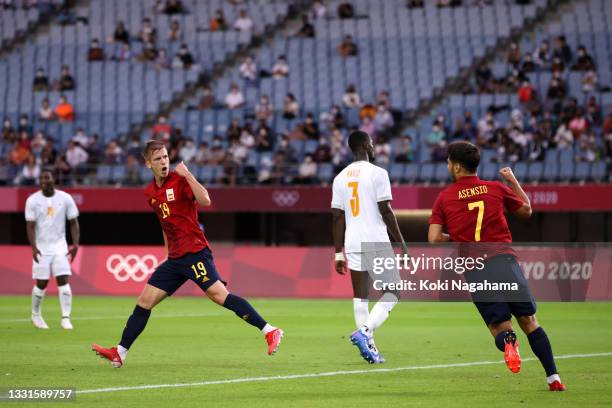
(503, 268)
(199, 267)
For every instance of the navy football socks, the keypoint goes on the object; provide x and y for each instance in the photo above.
(244, 310)
(500, 341)
(134, 326)
(538, 340)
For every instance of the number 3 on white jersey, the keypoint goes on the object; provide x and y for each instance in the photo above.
(355, 198)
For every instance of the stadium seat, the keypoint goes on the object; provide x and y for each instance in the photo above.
(599, 172)
(489, 171)
(427, 172)
(582, 171)
(520, 170)
(325, 172)
(396, 172)
(566, 171)
(441, 173)
(411, 172)
(104, 174)
(535, 171)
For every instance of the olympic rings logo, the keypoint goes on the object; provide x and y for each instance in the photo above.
(285, 198)
(131, 267)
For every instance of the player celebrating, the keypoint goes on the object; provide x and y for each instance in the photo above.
(362, 213)
(175, 196)
(473, 211)
(46, 212)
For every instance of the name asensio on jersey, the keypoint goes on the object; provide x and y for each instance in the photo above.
(472, 191)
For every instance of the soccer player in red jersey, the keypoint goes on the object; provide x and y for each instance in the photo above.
(473, 210)
(175, 196)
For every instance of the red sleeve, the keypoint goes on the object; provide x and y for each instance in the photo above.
(186, 189)
(511, 201)
(437, 213)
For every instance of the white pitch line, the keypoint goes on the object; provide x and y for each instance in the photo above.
(125, 316)
(324, 374)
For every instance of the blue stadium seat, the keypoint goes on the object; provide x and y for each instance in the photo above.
(427, 172)
(441, 173)
(566, 171)
(489, 171)
(535, 171)
(599, 172)
(520, 170)
(582, 171)
(551, 171)
(325, 172)
(411, 172)
(396, 172)
(104, 174)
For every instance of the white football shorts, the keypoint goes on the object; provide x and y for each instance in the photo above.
(47, 265)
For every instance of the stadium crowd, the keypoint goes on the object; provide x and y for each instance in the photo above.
(250, 151)
(555, 119)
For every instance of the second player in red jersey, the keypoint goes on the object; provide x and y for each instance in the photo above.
(473, 210)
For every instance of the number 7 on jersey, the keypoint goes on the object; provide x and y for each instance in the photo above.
(480, 206)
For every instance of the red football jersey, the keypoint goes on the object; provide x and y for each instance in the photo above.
(177, 210)
(473, 210)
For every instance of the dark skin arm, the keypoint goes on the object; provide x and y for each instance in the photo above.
(338, 229)
(75, 233)
(31, 229)
(391, 222)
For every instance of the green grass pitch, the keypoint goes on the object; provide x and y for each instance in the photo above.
(191, 340)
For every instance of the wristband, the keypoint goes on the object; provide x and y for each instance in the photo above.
(339, 256)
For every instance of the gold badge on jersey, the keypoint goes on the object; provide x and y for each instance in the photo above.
(170, 194)
(50, 211)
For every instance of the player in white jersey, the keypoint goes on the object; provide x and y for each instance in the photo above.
(46, 212)
(362, 214)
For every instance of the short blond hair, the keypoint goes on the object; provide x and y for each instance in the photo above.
(152, 146)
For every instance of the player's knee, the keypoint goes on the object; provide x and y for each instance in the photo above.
(528, 323)
(217, 297)
(146, 302)
(42, 284)
(61, 280)
(500, 327)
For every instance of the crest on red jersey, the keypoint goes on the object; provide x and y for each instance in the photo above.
(170, 194)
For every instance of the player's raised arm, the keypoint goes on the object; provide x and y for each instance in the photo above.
(524, 210)
(200, 193)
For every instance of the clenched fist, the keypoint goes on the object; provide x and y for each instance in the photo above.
(182, 170)
(507, 174)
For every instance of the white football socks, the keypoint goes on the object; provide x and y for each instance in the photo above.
(122, 352)
(268, 328)
(65, 298)
(37, 297)
(551, 379)
(380, 312)
(360, 309)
